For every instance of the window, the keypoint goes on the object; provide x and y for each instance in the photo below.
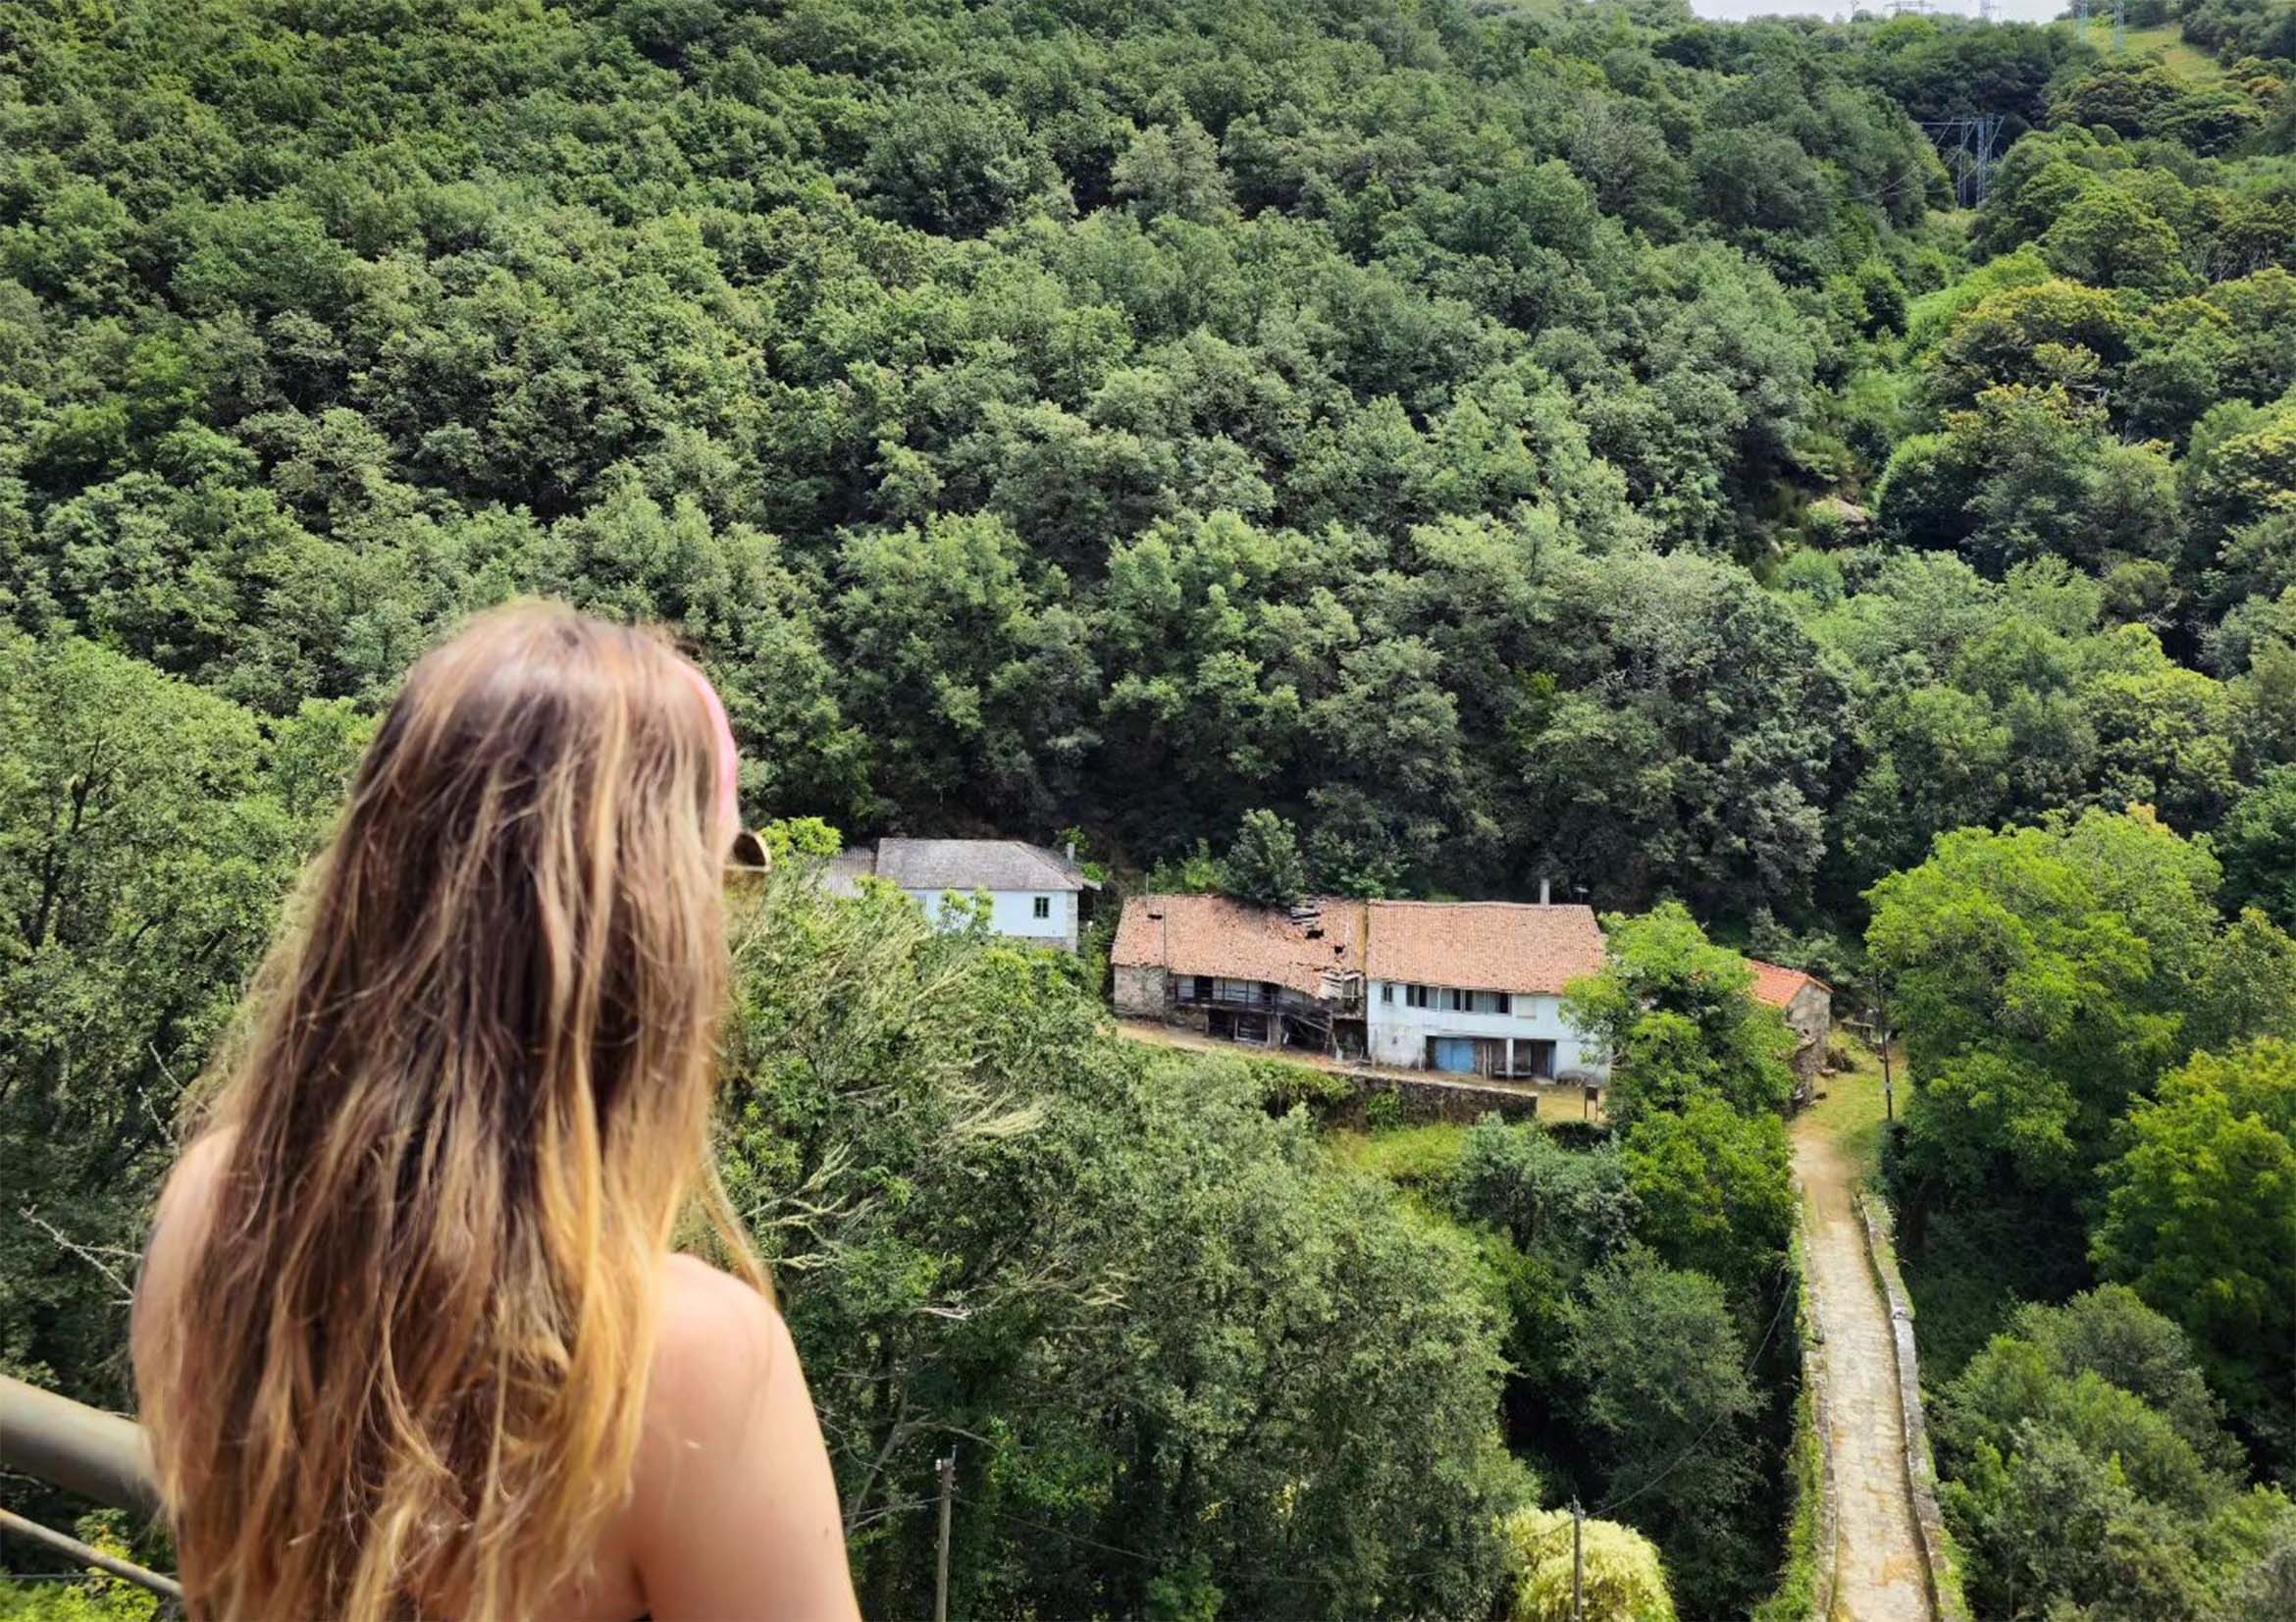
(1386, 991)
(1487, 1002)
(1419, 996)
(1043, 906)
(1455, 1000)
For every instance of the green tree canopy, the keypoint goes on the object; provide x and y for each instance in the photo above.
(2200, 1218)
(1679, 1018)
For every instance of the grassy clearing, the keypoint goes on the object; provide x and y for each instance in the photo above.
(2166, 43)
(1411, 1157)
(1853, 1110)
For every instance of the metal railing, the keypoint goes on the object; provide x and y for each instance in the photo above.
(87, 1451)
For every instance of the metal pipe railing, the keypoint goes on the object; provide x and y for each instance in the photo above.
(81, 1449)
(127, 1571)
(84, 1450)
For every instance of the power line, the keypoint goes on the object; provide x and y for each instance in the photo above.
(1055, 1530)
(1975, 152)
(1682, 1457)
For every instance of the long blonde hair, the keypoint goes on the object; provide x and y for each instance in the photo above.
(405, 1374)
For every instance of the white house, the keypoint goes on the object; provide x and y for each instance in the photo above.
(1473, 987)
(1032, 892)
(1476, 987)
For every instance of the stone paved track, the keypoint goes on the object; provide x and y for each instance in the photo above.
(1879, 1551)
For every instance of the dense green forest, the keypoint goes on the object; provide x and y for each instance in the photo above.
(1449, 445)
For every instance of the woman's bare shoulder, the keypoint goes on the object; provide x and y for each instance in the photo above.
(721, 1344)
(736, 1512)
(185, 1204)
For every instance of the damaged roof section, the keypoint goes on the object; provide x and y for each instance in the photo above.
(1305, 950)
(1476, 945)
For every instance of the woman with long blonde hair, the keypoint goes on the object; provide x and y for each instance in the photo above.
(412, 1341)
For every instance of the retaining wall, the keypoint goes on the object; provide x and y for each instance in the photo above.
(1423, 1103)
(1937, 1561)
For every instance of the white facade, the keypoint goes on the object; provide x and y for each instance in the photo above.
(1039, 917)
(1398, 1032)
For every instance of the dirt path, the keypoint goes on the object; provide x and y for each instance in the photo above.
(1879, 1552)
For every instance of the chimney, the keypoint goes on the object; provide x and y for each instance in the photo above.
(1071, 853)
(1544, 893)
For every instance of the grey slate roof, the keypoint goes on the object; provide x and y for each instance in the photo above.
(960, 865)
(845, 871)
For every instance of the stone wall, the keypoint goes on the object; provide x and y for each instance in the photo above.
(1424, 1103)
(1138, 991)
(1937, 1561)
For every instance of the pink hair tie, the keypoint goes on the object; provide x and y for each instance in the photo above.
(729, 810)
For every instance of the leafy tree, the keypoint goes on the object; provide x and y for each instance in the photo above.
(1714, 1189)
(1173, 170)
(1165, 1322)
(2031, 472)
(1263, 866)
(2109, 238)
(1679, 1018)
(2200, 1218)
(2092, 1471)
(956, 163)
(2134, 95)
(2258, 847)
(2042, 978)
(1668, 1400)
(1614, 1575)
(942, 625)
(2035, 334)
(1549, 1200)
(145, 843)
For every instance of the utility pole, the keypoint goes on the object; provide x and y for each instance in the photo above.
(1578, 1562)
(941, 1564)
(1889, 1080)
(2121, 25)
(1973, 154)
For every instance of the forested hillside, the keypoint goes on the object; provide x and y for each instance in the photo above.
(1132, 418)
(1481, 443)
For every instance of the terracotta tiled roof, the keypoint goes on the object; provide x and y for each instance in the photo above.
(1780, 986)
(1482, 945)
(1213, 935)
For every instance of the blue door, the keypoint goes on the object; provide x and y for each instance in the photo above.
(1455, 1054)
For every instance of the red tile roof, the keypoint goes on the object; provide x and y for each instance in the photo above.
(1213, 935)
(1780, 986)
(1484, 945)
